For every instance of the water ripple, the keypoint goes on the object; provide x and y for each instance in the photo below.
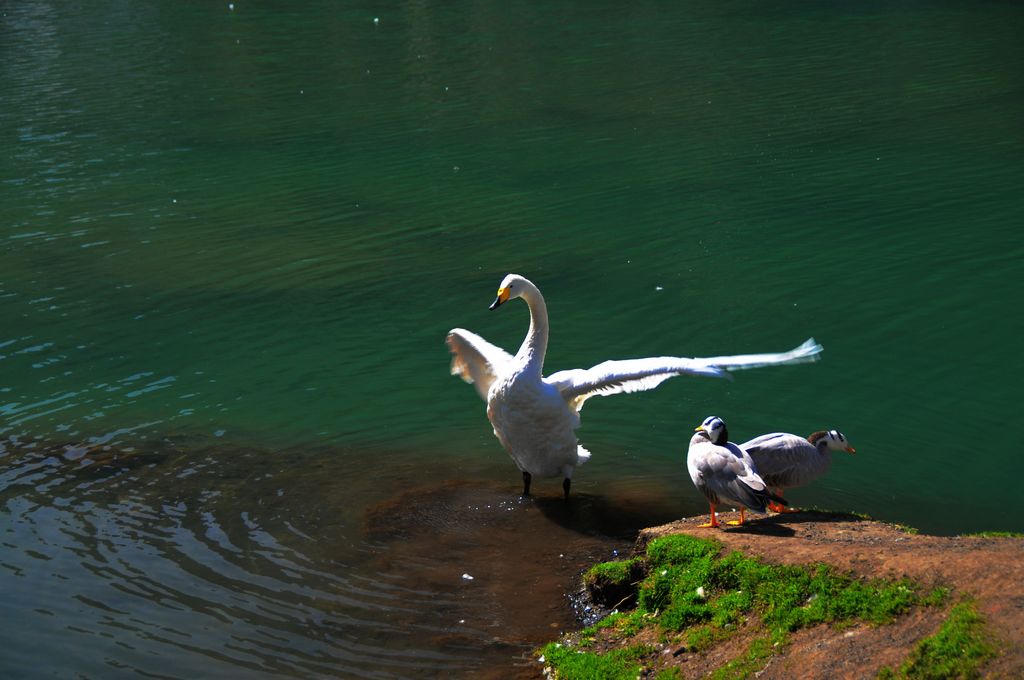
(230, 565)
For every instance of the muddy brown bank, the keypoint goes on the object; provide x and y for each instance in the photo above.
(987, 570)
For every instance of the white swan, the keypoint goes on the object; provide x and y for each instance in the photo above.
(787, 460)
(724, 472)
(534, 417)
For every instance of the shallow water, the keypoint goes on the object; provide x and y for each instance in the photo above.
(191, 558)
(232, 240)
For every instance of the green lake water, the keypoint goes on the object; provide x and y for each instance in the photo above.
(234, 236)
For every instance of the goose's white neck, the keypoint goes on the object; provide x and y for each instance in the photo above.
(821, 443)
(535, 344)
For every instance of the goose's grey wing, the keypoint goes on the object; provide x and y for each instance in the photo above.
(727, 479)
(783, 459)
(629, 375)
(475, 360)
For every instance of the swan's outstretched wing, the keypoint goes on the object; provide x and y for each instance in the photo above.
(475, 360)
(631, 375)
(805, 353)
(637, 375)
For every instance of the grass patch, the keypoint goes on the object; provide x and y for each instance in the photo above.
(701, 638)
(691, 585)
(957, 650)
(626, 624)
(692, 592)
(759, 650)
(617, 571)
(613, 584)
(936, 598)
(575, 664)
(997, 534)
(669, 674)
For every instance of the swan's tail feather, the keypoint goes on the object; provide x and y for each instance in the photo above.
(582, 455)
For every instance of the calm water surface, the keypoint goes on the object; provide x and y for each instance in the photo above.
(232, 240)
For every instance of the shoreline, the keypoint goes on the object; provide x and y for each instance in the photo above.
(987, 572)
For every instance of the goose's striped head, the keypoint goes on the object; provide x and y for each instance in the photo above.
(833, 439)
(715, 429)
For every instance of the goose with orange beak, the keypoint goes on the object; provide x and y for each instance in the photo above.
(724, 472)
(786, 460)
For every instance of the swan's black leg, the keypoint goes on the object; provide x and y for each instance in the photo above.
(526, 483)
(566, 483)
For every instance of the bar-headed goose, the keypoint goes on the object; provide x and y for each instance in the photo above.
(787, 460)
(723, 472)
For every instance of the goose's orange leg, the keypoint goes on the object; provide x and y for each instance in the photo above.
(779, 507)
(714, 520)
(739, 522)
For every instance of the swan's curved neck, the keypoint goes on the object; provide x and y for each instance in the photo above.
(535, 344)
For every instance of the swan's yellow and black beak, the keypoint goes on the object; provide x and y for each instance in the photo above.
(502, 298)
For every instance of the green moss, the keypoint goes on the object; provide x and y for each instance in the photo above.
(686, 585)
(575, 664)
(689, 585)
(625, 624)
(838, 597)
(682, 613)
(730, 607)
(700, 638)
(618, 571)
(936, 598)
(677, 567)
(669, 674)
(997, 534)
(613, 584)
(679, 549)
(753, 660)
(957, 650)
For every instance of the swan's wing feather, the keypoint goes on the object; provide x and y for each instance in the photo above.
(629, 375)
(475, 360)
(805, 353)
(637, 375)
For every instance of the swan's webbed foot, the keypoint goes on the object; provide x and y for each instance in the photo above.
(526, 483)
(566, 483)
